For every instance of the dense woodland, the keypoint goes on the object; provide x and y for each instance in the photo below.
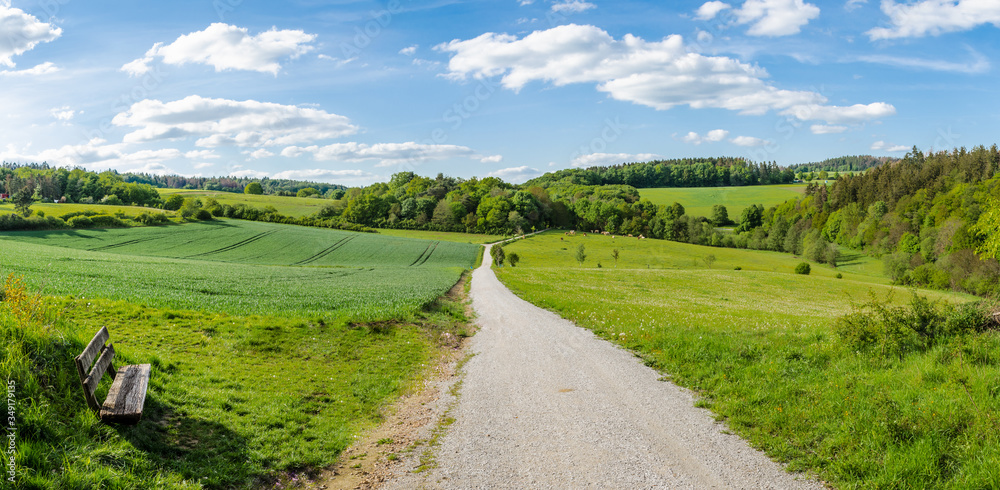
(857, 163)
(702, 172)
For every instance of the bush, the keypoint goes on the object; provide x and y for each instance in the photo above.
(803, 268)
(203, 214)
(840, 276)
(80, 222)
(105, 221)
(149, 219)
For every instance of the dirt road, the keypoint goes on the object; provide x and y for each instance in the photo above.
(546, 404)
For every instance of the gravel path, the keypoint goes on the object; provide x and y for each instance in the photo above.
(546, 404)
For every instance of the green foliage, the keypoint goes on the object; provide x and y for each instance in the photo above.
(803, 268)
(751, 218)
(307, 192)
(174, 202)
(709, 260)
(988, 226)
(23, 200)
(498, 255)
(253, 188)
(513, 259)
(581, 254)
(80, 222)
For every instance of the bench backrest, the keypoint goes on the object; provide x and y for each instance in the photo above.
(90, 377)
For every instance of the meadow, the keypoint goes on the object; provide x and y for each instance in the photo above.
(287, 205)
(698, 201)
(53, 209)
(272, 346)
(759, 346)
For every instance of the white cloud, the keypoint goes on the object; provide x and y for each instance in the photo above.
(21, 32)
(40, 69)
(218, 122)
(260, 153)
(748, 141)
(227, 47)
(979, 64)
(712, 136)
(322, 175)
(203, 165)
(775, 17)
(516, 175)
(656, 74)
(492, 159)
(98, 153)
(409, 51)
(63, 113)
(935, 17)
(824, 129)
(605, 159)
(572, 6)
(883, 146)
(853, 5)
(387, 154)
(709, 10)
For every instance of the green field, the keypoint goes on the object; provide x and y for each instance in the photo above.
(52, 209)
(758, 345)
(698, 201)
(287, 205)
(261, 372)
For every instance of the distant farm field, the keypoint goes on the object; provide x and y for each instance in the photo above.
(287, 205)
(698, 201)
(759, 345)
(241, 267)
(443, 236)
(54, 209)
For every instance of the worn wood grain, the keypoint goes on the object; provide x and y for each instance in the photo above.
(127, 395)
(84, 360)
(102, 365)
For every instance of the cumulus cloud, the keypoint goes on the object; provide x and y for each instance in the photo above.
(825, 129)
(605, 159)
(883, 146)
(660, 74)
(408, 51)
(323, 175)
(98, 153)
(853, 5)
(748, 141)
(219, 122)
(775, 18)
(63, 113)
(712, 136)
(21, 32)
(572, 6)
(40, 69)
(709, 10)
(935, 17)
(227, 47)
(387, 154)
(516, 175)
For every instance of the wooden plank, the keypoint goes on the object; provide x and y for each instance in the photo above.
(127, 395)
(94, 378)
(84, 360)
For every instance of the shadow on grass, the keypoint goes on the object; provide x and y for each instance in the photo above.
(200, 450)
(849, 258)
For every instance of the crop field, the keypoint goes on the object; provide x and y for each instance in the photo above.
(443, 236)
(698, 201)
(241, 267)
(758, 345)
(272, 346)
(286, 205)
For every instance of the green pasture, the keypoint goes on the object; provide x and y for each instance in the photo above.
(53, 209)
(698, 201)
(287, 205)
(272, 346)
(759, 347)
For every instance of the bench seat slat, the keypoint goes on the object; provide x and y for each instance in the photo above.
(127, 395)
(94, 378)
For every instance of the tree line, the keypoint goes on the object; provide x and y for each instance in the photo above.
(703, 172)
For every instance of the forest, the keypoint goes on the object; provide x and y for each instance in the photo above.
(857, 163)
(702, 172)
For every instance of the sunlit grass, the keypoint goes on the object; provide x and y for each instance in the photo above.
(698, 201)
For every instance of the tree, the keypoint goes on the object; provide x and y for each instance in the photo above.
(720, 215)
(803, 268)
(253, 188)
(306, 192)
(174, 202)
(513, 259)
(614, 254)
(709, 260)
(581, 254)
(23, 200)
(988, 226)
(498, 255)
(752, 217)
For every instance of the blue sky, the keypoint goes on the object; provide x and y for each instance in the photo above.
(351, 92)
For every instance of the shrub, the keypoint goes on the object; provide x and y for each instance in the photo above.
(738, 268)
(203, 214)
(803, 268)
(174, 202)
(80, 222)
(840, 276)
(105, 221)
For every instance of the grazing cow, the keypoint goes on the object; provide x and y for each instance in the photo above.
(584, 234)
(630, 235)
(561, 239)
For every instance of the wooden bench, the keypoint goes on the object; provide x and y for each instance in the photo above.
(128, 391)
